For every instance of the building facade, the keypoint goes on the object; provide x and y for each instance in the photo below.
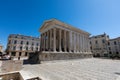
(1, 48)
(98, 45)
(114, 47)
(20, 45)
(58, 37)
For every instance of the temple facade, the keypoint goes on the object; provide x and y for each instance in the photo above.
(58, 37)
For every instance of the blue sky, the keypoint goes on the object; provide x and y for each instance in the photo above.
(26, 16)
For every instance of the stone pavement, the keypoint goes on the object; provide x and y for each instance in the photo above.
(80, 69)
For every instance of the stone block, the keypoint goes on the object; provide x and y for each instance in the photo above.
(62, 56)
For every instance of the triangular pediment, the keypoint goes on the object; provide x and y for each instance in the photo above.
(50, 22)
(46, 24)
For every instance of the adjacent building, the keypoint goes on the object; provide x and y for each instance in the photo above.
(114, 47)
(62, 41)
(1, 48)
(20, 45)
(98, 45)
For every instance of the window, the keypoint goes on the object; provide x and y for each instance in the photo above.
(102, 36)
(103, 41)
(37, 44)
(8, 47)
(27, 43)
(108, 43)
(96, 42)
(32, 48)
(117, 52)
(20, 53)
(15, 42)
(109, 48)
(13, 53)
(32, 43)
(36, 49)
(90, 42)
(26, 48)
(26, 53)
(115, 43)
(21, 48)
(110, 52)
(91, 47)
(21, 42)
(14, 48)
(9, 41)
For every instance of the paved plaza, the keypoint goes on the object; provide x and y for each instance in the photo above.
(80, 69)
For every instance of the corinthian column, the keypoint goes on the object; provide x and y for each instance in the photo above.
(41, 43)
(64, 40)
(60, 40)
(54, 40)
(74, 42)
(44, 42)
(70, 41)
(50, 40)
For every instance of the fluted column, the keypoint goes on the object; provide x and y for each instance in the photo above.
(83, 44)
(77, 42)
(88, 44)
(74, 42)
(70, 41)
(44, 41)
(60, 40)
(80, 43)
(41, 41)
(54, 40)
(47, 40)
(50, 40)
(64, 40)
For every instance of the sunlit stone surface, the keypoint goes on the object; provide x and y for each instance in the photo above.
(79, 69)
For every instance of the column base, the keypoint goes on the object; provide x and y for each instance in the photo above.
(63, 56)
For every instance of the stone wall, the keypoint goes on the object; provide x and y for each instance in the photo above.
(11, 76)
(10, 65)
(62, 56)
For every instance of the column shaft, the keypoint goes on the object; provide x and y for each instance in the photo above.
(78, 41)
(44, 42)
(70, 41)
(83, 44)
(47, 40)
(51, 40)
(54, 42)
(74, 42)
(60, 40)
(64, 40)
(41, 43)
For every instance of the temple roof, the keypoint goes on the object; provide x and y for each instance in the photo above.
(57, 22)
